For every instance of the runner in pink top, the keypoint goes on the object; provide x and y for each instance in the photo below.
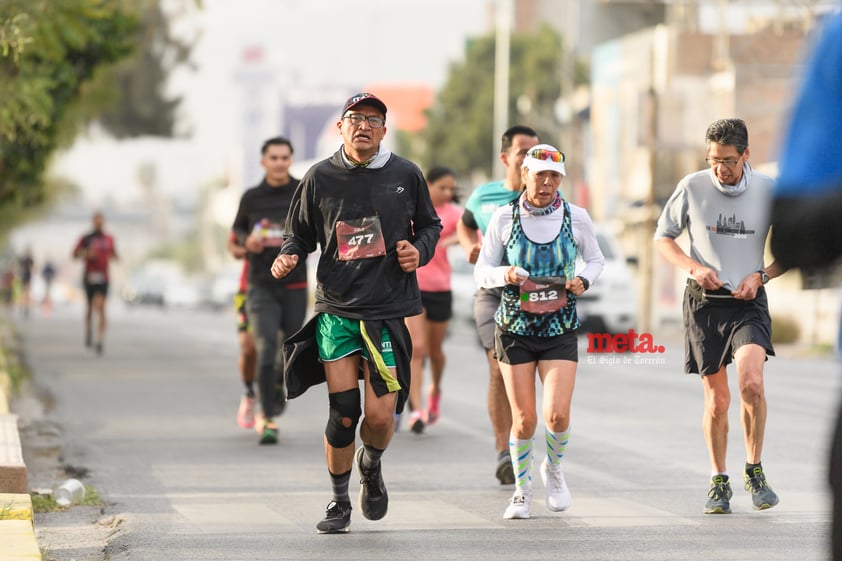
(430, 327)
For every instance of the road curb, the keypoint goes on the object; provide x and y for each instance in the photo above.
(12, 466)
(17, 530)
(18, 539)
(15, 506)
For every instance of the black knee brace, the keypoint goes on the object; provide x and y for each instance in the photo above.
(344, 407)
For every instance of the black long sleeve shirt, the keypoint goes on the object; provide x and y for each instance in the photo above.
(372, 288)
(266, 207)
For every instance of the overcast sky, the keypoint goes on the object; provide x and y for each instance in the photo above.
(310, 48)
(336, 41)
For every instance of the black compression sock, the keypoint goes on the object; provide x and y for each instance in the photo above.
(371, 456)
(340, 486)
(750, 468)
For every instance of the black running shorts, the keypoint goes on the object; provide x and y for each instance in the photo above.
(716, 327)
(517, 349)
(438, 306)
(92, 289)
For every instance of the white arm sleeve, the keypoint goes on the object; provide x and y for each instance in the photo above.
(488, 273)
(583, 232)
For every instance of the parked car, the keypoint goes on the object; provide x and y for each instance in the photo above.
(223, 286)
(144, 290)
(159, 282)
(610, 304)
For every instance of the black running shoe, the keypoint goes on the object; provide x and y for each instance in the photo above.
(762, 495)
(337, 518)
(505, 471)
(280, 404)
(268, 433)
(416, 423)
(374, 500)
(719, 496)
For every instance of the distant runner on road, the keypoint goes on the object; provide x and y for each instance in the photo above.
(276, 308)
(96, 249)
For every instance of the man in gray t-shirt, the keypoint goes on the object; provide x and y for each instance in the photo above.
(725, 211)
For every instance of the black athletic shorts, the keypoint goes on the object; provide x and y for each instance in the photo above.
(437, 305)
(92, 288)
(517, 349)
(716, 325)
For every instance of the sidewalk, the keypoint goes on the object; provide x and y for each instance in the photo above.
(17, 529)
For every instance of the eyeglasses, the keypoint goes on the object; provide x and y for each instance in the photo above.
(358, 118)
(544, 154)
(731, 164)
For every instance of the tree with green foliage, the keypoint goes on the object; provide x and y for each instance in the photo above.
(460, 124)
(51, 50)
(138, 104)
(59, 72)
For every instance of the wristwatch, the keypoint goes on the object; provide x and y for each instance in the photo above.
(764, 276)
(585, 282)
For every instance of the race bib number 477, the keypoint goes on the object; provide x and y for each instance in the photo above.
(360, 239)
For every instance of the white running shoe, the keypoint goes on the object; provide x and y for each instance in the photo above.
(558, 495)
(518, 506)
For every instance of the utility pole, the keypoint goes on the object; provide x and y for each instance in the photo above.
(501, 80)
(565, 107)
(657, 84)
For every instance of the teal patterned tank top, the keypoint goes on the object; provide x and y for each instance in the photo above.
(551, 259)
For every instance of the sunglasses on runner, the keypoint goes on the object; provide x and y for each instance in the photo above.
(544, 154)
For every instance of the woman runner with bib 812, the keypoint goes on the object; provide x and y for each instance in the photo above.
(530, 249)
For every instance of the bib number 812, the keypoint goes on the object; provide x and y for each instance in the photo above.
(543, 296)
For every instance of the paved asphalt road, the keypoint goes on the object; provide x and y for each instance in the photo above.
(154, 422)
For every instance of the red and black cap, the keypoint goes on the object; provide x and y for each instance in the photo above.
(364, 99)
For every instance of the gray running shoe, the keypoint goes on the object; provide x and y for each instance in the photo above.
(719, 496)
(505, 472)
(374, 500)
(337, 518)
(761, 494)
